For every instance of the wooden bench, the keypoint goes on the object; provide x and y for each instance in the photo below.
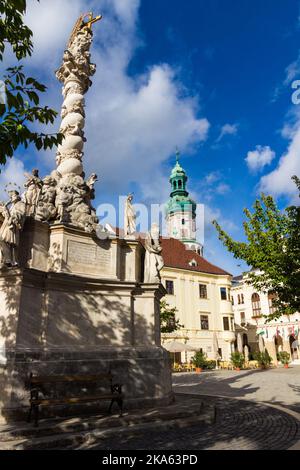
(47, 387)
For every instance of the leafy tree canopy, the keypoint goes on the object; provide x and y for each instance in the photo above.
(272, 249)
(20, 108)
(168, 321)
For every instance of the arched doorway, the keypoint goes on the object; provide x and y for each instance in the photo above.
(294, 351)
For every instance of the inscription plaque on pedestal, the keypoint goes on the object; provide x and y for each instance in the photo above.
(89, 256)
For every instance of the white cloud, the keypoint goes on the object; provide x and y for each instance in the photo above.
(278, 182)
(133, 122)
(259, 158)
(51, 24)
(228, 129)
(213, 185)
(13, 173)
(223, 188)
(292, 71)
(212, 177)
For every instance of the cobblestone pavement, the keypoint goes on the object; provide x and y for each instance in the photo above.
(240, 425)
(277, 386)
(242, 421)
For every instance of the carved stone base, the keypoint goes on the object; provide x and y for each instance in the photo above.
(81, 317)
(143, 371)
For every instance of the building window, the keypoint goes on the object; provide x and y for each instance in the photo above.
(271, 297)
(193, 263)
(204, 322)
(183, 221)
(256, 307)
(223, 293)
(242, 299)
(203, 291)
(170, 287)
(239, 299)
(171, 323)
(226, 324)
(243, 319)
(179, 184)
(232, 300)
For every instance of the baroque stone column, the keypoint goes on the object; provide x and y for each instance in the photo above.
(74, 74)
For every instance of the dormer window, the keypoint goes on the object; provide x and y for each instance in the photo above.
(193, 263)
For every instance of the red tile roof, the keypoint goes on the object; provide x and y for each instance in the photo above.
(176, 255)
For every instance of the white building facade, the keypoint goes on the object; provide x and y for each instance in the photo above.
(203, 308)
(250, 307)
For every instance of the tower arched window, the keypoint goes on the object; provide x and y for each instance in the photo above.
(179, 184)
(256, 306)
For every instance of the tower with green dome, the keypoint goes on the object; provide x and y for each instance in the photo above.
(181, 210)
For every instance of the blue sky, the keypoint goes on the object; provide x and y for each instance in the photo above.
(211, 77)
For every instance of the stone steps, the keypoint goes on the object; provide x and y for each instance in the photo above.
(82, 432)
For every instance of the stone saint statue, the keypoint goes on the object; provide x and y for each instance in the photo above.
(129, 217)
(13, 214)
(46, 210)
(153, 261)
(33, 187)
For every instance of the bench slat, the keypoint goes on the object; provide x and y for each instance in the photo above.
(69, 378)
(46, 402)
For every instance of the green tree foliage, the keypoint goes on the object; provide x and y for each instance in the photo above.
(22, 110)
(168, 322)
(237, 359)
(284, 357)
(273, 250)
(263, 358)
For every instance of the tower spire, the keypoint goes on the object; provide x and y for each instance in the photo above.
(181, 210)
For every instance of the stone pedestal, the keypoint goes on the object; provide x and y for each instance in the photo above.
(77, 305)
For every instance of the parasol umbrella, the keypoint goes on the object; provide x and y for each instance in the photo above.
(176, 347)
(239, 343)
(261, 344)
(246, 353)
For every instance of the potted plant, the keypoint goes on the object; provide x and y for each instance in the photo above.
(284, 358)
(199, 361)
(238, 360)
(263, 358)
